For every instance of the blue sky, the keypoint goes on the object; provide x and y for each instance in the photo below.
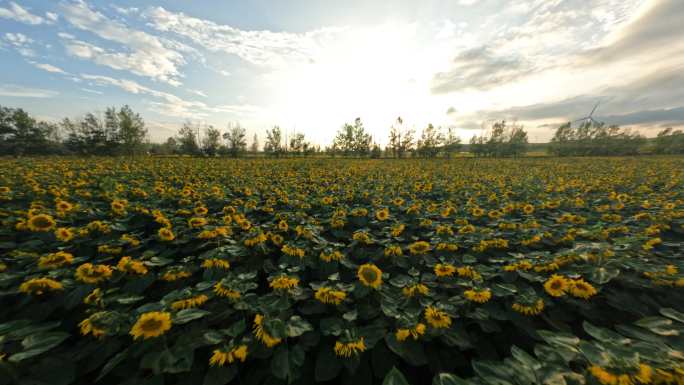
(309, 66)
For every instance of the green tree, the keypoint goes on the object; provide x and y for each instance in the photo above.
(187, 139)
(130, 131)
(274, 139)
(430, 140)
(236, 139)
(255, 144)
(211, 142)
(353, 139)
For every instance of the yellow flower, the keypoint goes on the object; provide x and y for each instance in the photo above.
(363, 237)
(215, 263)
(261, 334)
(393, 251)
(119, 206)
(89, 273)
(333, 256)
(603, 376)
(419, 247)
(64, 234)
(196, 222)
(226, 292)
(94, 298)
(283, 226)
(207, 234)
(38, 286)
(88, 328)
(189, 303)
(528, 209)
(529, 310)
(556, 286)
(437, 318)
(370, 275)
(130, 266)
(151, 325)
(166, 234)
(480, 296)
(444, 270)
(55, 260)
(398, 229)
(284, 283)
(413, 290)
(293, 251)
(415, 332)
(349, 349)
(171, 276)
(41, 223)
(645, 374)
(130, 240)
(200, 210)
(382, 215)
(330, 296)
(220, 358)
(581, 289)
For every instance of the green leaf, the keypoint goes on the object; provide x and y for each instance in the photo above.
(658, 325)
(220, 375)
(394, 377)
(297, 326)
(187, 315)
(448, 379)
(39, 343)
(672, 314)
(604, 335)
(236, 328)
(116, 360)
(327, 365)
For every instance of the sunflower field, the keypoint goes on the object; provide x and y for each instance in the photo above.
(463, 271)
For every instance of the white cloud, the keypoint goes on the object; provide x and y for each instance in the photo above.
(13, 90)
(53, 17)
(146, 55)
(467, 2)
(198, 93)
(125, 11)
(66, 36)
(263, 48)
(49, 68)
(88, 90)
(21, 43)
(22, 15)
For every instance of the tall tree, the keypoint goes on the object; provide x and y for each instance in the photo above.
(273, 146)
(130, 131)
(211, 141)
(452, 142)
(430, 140)
(353, 139)
(187, 139)
(400, 139)
(236, 139)
(255, 144)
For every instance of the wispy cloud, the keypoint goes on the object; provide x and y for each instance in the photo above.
(18, 91)
(143, 54)
(17, 13)
(49, 68)
(262, 48)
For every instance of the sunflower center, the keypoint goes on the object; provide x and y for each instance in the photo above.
(555, 285)
(151, 325)
(41, 222)
(369, 275)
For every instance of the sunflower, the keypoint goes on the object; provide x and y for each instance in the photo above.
(38, 286)
(363, 237)
(222, 291)
(332, 256)
(94, 298)
(398, 229)
(444, 270)
(556, 286)
(382, 214)
(437, 318)
(55, 260)
(216, 263)
(419, 247)
(41, 223)
(494, 214)
(529, 310)
(200, 210)
(283, 226)
(293, 251)
(581, 289)
(130, 266)
(330, 296)
(165, 234)
(349, 349)
(528, 209)
(393, 251)
(220, 358)
(479, 296)
(87, 326)
(118, 206)
(196, 222)
(174, 275)
(151, 325)
(261, 334)
(284, 283)
(370, 275)
(413, 290)
(89, 273)
(415, 332)
(189, 303)
(64, 234)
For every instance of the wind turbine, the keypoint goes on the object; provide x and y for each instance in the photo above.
(589, 117)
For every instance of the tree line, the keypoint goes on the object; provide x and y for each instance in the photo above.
(122, 132)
